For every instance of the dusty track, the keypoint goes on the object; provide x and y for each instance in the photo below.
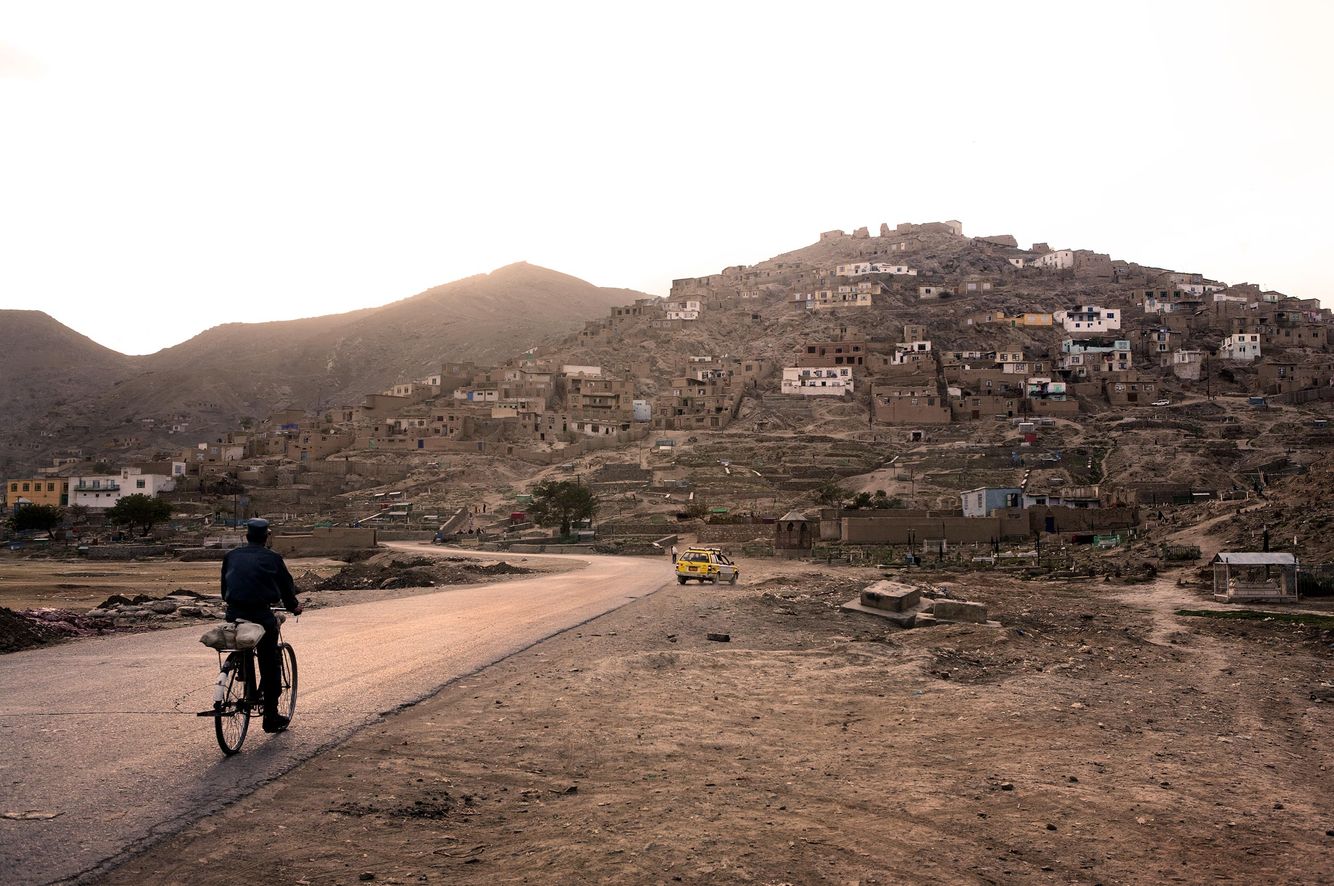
(823, 747)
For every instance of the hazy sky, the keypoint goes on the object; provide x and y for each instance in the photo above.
(166, 167)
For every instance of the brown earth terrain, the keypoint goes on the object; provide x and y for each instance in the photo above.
(47, 600)
(1094, 736)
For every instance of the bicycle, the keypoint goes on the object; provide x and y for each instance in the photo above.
(236, 697)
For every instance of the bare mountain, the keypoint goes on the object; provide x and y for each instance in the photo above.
(45, 367)
(250, 369)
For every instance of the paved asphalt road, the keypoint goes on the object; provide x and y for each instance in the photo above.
(102, 733)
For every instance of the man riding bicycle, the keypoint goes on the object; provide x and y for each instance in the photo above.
(255, 578)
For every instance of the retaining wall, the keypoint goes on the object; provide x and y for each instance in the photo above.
(735, 532)
(324, 541)
(125, 552)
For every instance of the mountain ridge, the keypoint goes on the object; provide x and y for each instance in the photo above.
(68, 391)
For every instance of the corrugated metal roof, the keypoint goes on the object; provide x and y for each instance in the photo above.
(1251, 558)
(793, 516)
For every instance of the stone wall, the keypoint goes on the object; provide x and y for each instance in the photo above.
(405, 535)
(381, 471)
(125, 552)
(903, 529)
(190, 555)
(645, 528)
(734, 532)
(324, 541)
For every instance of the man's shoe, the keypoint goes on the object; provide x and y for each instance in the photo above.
(275, 722)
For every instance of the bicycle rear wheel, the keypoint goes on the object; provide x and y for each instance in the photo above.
(287, 678)
(231, 712)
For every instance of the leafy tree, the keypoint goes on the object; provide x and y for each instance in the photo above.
(140, 510)
(831, 494)
(881, 501)
(696, 508)
(563, 502)
(861, 500)
(228, 485)
(37, 518)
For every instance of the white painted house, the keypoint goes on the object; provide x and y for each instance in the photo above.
(683, 310)
(1012, 362)
(102, 491)
(1088, 318)
(817, 381)
(843, 297)
(1056, 260)
(1241, 347)
(856, 269)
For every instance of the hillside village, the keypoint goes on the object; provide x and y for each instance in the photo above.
(975, 494)
(972, 391)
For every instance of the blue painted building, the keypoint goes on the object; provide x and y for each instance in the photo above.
(982, 501)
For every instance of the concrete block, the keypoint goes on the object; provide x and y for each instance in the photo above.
(959, 610)
(902, 619)
(891, 596)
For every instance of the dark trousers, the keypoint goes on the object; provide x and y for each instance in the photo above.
(267, 650)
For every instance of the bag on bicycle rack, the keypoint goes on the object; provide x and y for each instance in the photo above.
(242, 635)
(221, 636)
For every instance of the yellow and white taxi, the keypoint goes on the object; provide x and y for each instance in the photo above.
(706, 564)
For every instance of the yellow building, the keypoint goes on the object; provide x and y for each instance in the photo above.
(38, 491)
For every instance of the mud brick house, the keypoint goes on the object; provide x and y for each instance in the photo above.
(834, 353)
(910, 402)
(1130, 389)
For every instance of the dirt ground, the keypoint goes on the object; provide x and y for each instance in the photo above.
(45, 600)
(1094, 737)
(79, 585)
(33, 583)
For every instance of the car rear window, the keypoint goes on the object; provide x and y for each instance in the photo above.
(692, 557)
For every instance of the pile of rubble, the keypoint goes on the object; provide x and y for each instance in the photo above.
(18, 631)
(400, 570)
(122, 611)
(35, 627)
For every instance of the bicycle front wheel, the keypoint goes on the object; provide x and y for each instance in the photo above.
(287, 678)
(231, 713)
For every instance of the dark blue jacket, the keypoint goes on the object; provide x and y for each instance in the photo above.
(254, 577)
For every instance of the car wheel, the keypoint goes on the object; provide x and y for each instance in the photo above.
(732, 580)
(681, 579)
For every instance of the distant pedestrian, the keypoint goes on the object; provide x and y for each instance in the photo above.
(673, 553)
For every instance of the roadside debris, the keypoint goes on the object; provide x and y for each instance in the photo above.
(400, 570)
(903, 605)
